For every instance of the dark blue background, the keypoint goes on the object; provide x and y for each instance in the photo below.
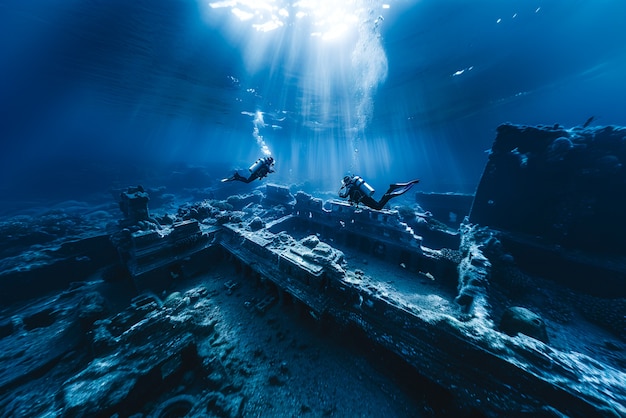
(95, 94)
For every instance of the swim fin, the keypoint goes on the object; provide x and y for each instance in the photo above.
(234, 177)
(398, 189)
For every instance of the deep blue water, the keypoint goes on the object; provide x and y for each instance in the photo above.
(98, 94)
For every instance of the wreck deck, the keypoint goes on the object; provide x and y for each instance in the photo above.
(412, 313)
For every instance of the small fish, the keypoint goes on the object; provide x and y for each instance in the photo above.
(589, 121)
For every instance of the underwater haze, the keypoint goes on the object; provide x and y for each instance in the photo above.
(101, 94)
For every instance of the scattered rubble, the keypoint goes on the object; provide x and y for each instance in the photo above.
(256, 304)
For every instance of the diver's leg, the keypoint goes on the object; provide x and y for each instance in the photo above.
(395, 190)
(247, 180)
(398, 189)
(371, 203)
(231, 178)
(383, 200)
(237, 177)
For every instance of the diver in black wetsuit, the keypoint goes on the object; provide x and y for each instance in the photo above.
(358, 191)
(261, 168)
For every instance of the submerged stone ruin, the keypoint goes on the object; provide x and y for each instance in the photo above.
(510, 302)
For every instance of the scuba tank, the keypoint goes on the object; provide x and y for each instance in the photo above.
(257, 164)
(363, 187)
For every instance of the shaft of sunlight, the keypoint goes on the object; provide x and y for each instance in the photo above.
(330, 53)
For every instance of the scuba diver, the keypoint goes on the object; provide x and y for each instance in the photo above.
(261, 168)
(358, 191)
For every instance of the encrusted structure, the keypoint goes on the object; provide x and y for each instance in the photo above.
(558, 197)
(419, 322)
(461, 303)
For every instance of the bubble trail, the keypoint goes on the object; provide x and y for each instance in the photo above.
(259, 123)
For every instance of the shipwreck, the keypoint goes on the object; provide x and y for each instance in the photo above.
(511, 301)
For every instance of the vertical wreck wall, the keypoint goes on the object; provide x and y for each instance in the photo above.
(567, 187)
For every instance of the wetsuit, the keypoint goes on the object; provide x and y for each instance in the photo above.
(355, 195)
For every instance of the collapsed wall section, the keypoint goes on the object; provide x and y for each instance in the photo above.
(567, 186)
(558, 197)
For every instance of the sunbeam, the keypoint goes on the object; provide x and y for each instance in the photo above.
(334, 61)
